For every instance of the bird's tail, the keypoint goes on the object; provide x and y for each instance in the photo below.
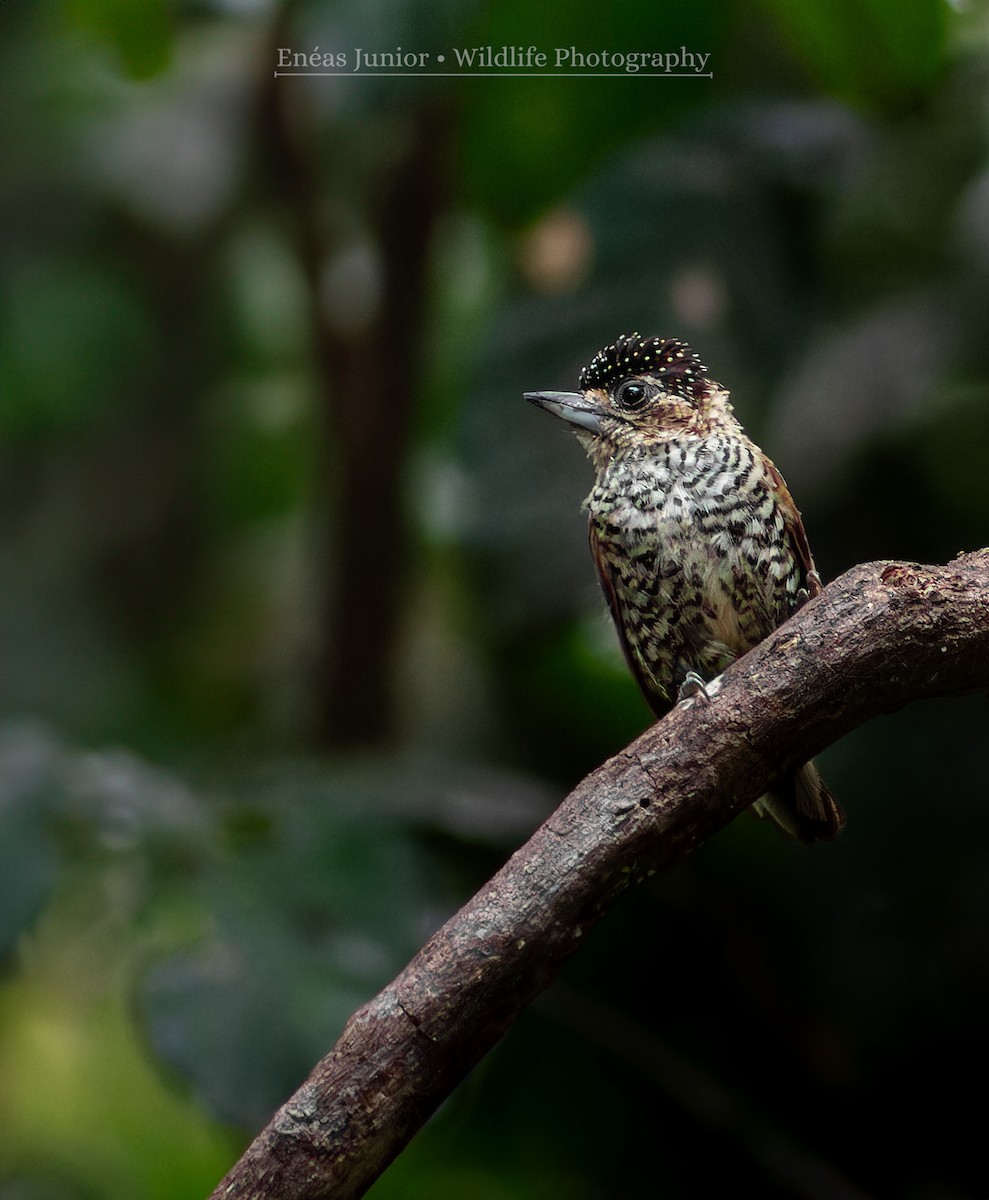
(802, 806)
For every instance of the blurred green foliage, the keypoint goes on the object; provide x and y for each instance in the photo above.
(139, 31)
(194, 892)
(880, 53)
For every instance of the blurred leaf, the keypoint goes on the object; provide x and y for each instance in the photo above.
(875, 52)
(71, 335)
(80, 1095)
(42, 1183)
(261, 444)
(140, 31)
(319, 892)
(528, 141)
(30, 760)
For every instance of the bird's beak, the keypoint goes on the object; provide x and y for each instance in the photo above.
(569, 406)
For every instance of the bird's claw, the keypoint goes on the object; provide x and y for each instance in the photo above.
(693, 688)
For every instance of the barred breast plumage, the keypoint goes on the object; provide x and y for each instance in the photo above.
(693, 540)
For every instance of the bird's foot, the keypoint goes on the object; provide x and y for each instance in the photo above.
(693, 688)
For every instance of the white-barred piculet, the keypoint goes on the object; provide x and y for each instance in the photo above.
(700, 550)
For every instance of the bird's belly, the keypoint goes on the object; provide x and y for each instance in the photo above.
(698, 578)
(676, 575)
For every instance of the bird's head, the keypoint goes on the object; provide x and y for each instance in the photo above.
(639, 391)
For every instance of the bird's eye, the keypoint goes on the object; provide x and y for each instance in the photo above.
(633, 395)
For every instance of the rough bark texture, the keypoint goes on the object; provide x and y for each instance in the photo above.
(880, 636)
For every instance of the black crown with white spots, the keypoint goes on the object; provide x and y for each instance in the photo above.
(670, 362)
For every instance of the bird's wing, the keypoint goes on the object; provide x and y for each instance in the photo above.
(658, 701)
(793, 524)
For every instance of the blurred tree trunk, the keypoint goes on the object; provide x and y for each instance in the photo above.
(369, 375)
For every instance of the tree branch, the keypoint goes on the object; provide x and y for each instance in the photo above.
(880, 636)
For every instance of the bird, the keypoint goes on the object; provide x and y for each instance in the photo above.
(699, 547)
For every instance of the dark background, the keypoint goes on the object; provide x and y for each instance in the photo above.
(299, 636)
